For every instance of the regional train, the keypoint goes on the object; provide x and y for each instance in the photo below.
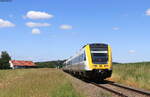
(93, 61)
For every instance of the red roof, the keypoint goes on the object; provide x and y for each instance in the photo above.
(22, 63)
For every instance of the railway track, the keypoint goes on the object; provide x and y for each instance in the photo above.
(118, 89)
(121, 90)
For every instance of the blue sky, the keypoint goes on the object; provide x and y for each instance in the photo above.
(41, 30)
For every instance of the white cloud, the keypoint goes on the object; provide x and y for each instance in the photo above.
(132, 51)
(66, 27)
(147, 12)
(38, 15)
(36, 31)
(32, 24)
(115, 28)
(5, 23)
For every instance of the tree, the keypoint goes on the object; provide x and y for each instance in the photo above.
(4, 60)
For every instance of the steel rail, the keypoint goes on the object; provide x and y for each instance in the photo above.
(110, 90)
(139, 91)
(131, 88)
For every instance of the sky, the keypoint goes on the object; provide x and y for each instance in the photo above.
(43, 30)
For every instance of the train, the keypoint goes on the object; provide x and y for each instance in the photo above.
(93, 61)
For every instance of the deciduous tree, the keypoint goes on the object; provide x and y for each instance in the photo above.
(4, 60)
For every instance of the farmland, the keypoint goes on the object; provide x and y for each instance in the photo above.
(45, 82)
(36, 83)
(132, 74)
(48, 82)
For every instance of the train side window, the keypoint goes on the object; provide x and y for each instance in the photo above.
(84, 56)
(80, 57)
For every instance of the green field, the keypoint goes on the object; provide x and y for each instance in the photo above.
(48, 82)
(36, 83)
(133, 74)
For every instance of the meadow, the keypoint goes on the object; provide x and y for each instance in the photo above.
(36, 83)
(48, 82)
(132, 74)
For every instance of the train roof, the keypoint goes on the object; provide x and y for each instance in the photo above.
(96, 44)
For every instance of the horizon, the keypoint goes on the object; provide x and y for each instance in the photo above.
(54, 30)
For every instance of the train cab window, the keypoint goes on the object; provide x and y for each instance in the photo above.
(99, 58)
(99, 53)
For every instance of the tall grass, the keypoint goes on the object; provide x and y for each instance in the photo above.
(134, 74)
(35, 83)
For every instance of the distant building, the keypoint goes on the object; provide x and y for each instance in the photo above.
(14, 64)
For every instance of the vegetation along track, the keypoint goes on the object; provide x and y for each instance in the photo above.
(121, 90)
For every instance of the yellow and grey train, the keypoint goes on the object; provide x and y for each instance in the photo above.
(93, 61)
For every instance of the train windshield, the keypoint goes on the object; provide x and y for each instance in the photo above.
(99, 53)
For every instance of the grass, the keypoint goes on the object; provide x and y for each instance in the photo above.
(133, 74)
(35, 83)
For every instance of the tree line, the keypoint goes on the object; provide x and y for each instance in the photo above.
(50, 64)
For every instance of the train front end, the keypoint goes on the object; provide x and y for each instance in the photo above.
(99, 61)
